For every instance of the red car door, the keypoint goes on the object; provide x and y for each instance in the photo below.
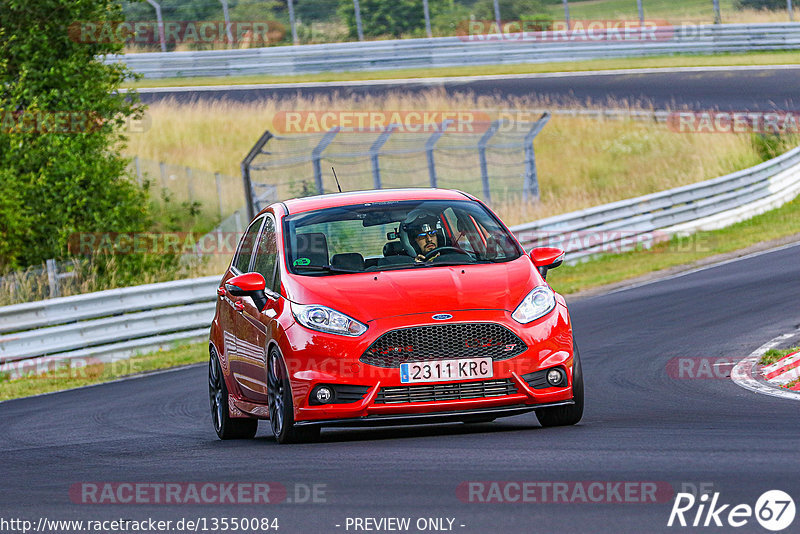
(236, 351)
(255, 326)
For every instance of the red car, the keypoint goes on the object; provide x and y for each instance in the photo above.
(387, 307)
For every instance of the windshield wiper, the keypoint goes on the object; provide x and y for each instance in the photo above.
(451, 263)
(326, 268)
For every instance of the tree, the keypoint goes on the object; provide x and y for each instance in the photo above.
(60, 176)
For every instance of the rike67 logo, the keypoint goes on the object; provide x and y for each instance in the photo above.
(774, 510)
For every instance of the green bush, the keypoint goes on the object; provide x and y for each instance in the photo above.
(768, 145)
(57, 183)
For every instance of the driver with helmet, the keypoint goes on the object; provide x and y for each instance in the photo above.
(420, 234)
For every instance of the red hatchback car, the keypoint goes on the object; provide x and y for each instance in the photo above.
(387, 307)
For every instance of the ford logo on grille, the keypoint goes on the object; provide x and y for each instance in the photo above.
(442, 317)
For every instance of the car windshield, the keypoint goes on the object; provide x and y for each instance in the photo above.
(378, 236)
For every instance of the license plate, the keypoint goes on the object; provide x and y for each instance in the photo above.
(443, 370)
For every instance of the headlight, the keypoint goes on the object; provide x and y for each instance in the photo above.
(327, 320)
(539, 302)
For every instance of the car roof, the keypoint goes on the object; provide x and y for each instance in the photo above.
(299, 205)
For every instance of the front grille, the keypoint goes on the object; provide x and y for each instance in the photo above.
(446, 341)
(446, 392)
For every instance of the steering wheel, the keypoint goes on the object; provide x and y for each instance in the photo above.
(439, 250)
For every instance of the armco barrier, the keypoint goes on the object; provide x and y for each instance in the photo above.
(702, 206)
(108, 324)
(111, 324)
(462, 51)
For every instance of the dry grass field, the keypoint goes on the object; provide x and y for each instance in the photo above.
(581, 162)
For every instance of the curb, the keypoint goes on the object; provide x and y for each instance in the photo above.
(750, 375)
(783, 371)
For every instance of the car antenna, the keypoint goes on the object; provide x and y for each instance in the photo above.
(337, 180)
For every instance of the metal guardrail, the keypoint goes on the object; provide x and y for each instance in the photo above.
(656, 217)
(107, 323)
(111, 324)
(529, 47)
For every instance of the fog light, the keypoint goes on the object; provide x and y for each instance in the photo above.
(324, 395)
(555, 377)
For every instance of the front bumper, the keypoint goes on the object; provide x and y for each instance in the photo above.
(316, 358)
(430, 418)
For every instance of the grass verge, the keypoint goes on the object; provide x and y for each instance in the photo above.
(773, 355)
(781, 222)
(688, 60)
(65, 377)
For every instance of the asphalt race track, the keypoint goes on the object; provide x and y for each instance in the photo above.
(640, 425)
(709, 89)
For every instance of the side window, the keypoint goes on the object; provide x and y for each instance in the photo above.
(267, 253)
(246, 246)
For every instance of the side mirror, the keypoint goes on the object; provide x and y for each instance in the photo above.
(250, 285)
(546, 258)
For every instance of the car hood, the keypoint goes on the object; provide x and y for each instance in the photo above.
(375, 295)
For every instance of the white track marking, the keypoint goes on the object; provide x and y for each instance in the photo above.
(743, 374)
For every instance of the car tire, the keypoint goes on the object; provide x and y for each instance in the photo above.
(281, 408)
(571, 414)
(227, 427)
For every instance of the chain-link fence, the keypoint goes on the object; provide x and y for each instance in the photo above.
(493, 160)
(211, 195)
(203, 24)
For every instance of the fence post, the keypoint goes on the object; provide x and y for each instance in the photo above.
(316, 155)
(427, 19)
(717, 15)
(641, 14)
(160, 22)
(138, 170)
(566, 12)
(487, 195)
(359, 27)
(530, 189)
(162, 167)
(218, 180)
(227, 22)
(189, 184)
(790, 10)
(295, 40)
(374, 153)
(52, 278)
(429, 144)
(245, 166)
